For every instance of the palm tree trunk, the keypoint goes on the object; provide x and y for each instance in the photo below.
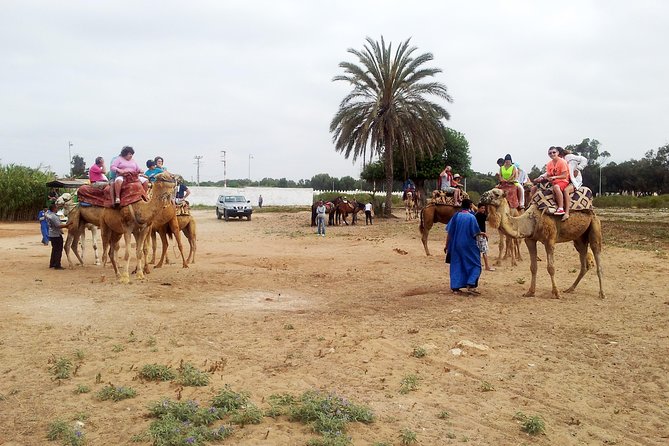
(388, 163)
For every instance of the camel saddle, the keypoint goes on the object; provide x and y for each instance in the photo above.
(581, 199)
(131, 192)
(444, 198)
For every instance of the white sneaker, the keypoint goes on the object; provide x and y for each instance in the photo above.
(559, 211)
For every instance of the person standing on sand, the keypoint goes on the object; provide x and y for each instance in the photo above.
(482, 238)
(44, 226)
(320, 218)
(55, 237)
(260, 201)
(465, 258)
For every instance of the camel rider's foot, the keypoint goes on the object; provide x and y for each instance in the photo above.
(565, 217)
(559, 211)
(117, 201)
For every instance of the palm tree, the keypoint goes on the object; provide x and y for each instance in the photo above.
(386, 109)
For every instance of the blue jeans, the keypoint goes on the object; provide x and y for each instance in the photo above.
(320, 222)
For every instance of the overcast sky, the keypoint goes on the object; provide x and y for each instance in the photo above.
(254, 78)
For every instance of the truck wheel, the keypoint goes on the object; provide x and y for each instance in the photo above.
(218, 214)
(225, 215)
(249, 217)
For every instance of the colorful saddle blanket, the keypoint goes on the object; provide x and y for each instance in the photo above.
(131, 192)
(581, 199)
(511, 194)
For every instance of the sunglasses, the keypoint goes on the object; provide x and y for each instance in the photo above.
(552, 153)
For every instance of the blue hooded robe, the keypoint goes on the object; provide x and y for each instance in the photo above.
(465, 267)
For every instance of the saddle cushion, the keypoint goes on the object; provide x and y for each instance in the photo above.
(131, 192)
(581, 200)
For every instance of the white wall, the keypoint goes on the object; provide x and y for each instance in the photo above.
(272, 196)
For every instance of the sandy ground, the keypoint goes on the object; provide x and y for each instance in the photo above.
(279, 309)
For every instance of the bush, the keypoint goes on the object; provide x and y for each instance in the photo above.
(629, 201)
(24, 192)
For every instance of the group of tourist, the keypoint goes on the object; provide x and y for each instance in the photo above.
(466, 238)
(124, 166)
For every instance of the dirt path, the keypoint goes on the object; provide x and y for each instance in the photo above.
(278, 309)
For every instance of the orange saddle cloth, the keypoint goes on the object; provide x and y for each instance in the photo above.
(131, 192)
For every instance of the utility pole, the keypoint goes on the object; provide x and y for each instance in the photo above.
(69, 152)
(197, 161)
(225, 175)
(250, 157)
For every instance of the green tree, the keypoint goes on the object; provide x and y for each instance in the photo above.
(78, 167)
(387, 109)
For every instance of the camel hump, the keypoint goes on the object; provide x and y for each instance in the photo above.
(581, 200)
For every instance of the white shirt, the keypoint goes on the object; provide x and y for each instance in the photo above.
(368, 207)
(576, 163)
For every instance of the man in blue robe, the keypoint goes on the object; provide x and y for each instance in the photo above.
(465, 258)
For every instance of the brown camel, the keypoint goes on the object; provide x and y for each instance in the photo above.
(189, 228)
(431, 214)
(583, 228)
(135, 219)
(80, 218)
(166, 222)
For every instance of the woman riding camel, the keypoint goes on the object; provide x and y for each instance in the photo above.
(557, 173)
(509, 174)
(124, 166)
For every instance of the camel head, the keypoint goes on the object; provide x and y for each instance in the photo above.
(63, 199)
(493, 197)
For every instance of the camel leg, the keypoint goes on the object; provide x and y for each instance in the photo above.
(94, 236)
(502, 245)
(550, 251)
(424, 229)
(174, 226)
(164, 243)
(153, 247)
(595, 239)
(532, 249)
(192, 243)
(517, 247)
(582, 247)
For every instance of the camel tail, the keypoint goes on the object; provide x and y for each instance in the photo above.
(421, 226)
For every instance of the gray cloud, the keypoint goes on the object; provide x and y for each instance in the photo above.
(183, 79)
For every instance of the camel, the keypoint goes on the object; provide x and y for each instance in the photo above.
(431, 214)
(189, 228)
(583, 228)
(79, 234)
(81, 217)
(166, 222)
(135, 219)
(410, 206)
